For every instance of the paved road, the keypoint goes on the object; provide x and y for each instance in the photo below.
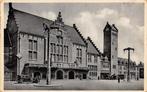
(79, 85)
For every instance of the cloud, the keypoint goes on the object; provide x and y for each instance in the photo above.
(49, 15)
(124, 21)
(130, 35)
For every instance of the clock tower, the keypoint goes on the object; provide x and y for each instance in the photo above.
(111, 47)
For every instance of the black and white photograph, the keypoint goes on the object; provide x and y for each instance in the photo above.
(74, 46)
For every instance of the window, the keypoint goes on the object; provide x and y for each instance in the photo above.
(112, 56)
(60, 40)
(116, 48)
(35, 45)
(92, 67)
(53, 48)
(106, 65)
(53, 58)
(95, 59)
(114, 66)
(30, 55)
(65, 58)
(124, 68)
(59, 32)
(59, 48)
(65, 53)
(32, 49)
(30, 45)
(53, 51)
(89, 58)
(79, 55)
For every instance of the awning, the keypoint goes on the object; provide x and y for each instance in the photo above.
(45, 66)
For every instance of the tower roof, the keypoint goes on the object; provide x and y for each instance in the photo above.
(110, 27)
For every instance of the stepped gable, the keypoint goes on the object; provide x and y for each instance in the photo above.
(32, 24)
(92, 47)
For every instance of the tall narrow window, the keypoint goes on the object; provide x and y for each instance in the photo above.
(53, 51)
(65, 53)
(32, 49)
(30, 45)
(79, 55)
(60, 48)
(35, 45)
(95, 59)
(89, 58)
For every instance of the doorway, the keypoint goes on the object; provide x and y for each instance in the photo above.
(71, 75)
(59, 74)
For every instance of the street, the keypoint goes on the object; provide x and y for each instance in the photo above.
(77, 85)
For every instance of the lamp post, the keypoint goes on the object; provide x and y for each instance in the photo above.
(48, 79)
(128, 49)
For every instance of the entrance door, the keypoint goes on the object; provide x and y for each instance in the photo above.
(71, 75)
(59, 74)
(84, 76)
(37, 74)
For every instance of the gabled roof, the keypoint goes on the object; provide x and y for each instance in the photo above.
(29, 23)
(91, 48)
(75, 35)
(124, 60)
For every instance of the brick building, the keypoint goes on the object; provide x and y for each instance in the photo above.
(111, 46)
(123, 68)
(105, 67)
(93, 60)
(141, 70)
(67, 47)
(71, 56)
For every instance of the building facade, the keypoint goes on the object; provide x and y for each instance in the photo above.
(93, 60)
(67, 47)
(141, 70)
(111, 46)
(105, 67)
(33, 43)
(123, 69)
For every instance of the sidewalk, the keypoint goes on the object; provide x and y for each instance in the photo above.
(78, 85)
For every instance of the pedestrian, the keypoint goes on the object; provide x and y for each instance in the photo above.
(118, 79)
(137, 78)
(98, 78)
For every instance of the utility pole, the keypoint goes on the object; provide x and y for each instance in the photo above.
(48, 77)
(128, 49)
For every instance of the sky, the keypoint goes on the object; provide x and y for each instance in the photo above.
(91, 18)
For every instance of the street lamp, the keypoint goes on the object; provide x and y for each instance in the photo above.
(128, 49)
(48, 79)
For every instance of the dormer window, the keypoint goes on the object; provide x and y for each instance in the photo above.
(60, 40)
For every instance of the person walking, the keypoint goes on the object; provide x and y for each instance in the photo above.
(118, 79)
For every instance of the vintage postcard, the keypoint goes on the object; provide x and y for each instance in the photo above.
(73, 46)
